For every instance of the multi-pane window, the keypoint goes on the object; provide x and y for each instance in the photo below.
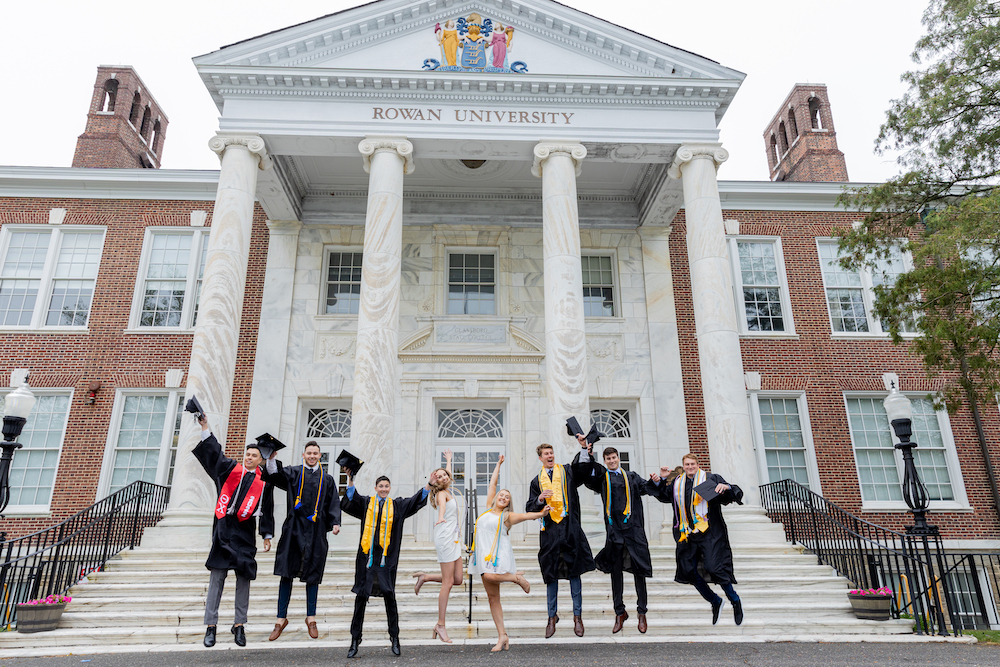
(33, 471)
(331, 429)
(198, 283)
(58, 264)
(476, 438)
(343, 283)
(849, 294)
(880, 467)
(144, 440)
(598, 286)
(471, 284)
(172, 269)
(783, 440)
(758, 276)
(615, 425)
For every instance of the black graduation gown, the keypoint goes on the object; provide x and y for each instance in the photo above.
(234, 545)
(709, 552)
(303, 545)
(384, 576)
(563, 550)
(624, 540)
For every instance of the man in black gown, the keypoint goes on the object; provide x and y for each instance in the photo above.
(382, 521)
(313, 511)
(243, 496)
(625, 548)
(563, 550)
(701, 534)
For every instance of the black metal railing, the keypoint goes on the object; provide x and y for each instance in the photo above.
(914, 566)
(471, 513)
(52, 560)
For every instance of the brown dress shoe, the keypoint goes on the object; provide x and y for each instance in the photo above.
(642, 623)
(313, 630)
(278, 627)
(578, 626)
(619, 622)
(550, 627)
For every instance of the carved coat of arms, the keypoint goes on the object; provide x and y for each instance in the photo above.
(474, 44)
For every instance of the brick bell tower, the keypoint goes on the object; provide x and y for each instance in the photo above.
(126, 128)
(800, 140)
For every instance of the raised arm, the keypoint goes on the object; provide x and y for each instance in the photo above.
(447, 458)
(494, 480)
(514, 519)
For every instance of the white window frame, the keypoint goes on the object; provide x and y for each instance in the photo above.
(324, 282)
(630, 445)
(42, 510)
(331, 446)
(868, 297)
(615, 286)
(503, 442)
(47, 280)
(961, 501)
(117, 412)
(200, 236)
(498, 308)
(784, 293)
(812, 466)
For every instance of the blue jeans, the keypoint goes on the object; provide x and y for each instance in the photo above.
(710, 596)
(285, 594)
(575, 589)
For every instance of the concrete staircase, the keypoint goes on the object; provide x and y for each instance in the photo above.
(157, 597)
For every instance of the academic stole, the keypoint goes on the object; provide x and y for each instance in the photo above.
(231, 485)
(493, 557)
(628, 496)
(700, 506)
(319, 493)
(559, 502)
(385, 530)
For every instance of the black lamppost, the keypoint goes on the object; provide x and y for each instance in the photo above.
(17, 407)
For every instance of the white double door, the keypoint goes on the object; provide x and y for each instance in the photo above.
(472, 467)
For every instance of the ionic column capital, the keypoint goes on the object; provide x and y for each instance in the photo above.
(398, 145)
(690, 152)
(252, 142)
(546, 149)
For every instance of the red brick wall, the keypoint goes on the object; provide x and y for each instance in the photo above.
(107, 354)
(812, 155)
(824, 369)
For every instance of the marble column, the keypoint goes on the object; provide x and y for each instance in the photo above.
(558, 165)
(727, 413)
(376, 377)
(188, 518)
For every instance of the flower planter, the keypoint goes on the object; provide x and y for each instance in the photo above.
(871, 607)
(39, 617)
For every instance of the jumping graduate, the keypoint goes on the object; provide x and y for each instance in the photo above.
(243, 497)
(625, 548)
(700, 532)
(563, 550)
(313, 511)
(378, 553)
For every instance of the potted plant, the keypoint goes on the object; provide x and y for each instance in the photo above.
(41, 615)
(873, 604)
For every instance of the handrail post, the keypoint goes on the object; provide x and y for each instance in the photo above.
(791, 517)
(135, 518)
(819, 548)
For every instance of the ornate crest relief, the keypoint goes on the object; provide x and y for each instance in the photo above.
(474, 44)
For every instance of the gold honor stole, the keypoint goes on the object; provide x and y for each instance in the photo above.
(384, 530)
(700, 506)
(628, 496)
(559, 502)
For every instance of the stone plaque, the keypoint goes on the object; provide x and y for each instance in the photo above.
(471, 333)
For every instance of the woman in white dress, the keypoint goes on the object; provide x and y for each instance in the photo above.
(447, 542)
(493, 556)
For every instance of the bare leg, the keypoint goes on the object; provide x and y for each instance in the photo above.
(517, 578)
(491, 582)
(451, 573)
(423, 578)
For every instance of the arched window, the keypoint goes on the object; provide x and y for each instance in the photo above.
(783, 137)
(110, 95)
(814, 117)
(155, 138)
(792, 125)
(133, 115)
(774, 150)
(144, 128)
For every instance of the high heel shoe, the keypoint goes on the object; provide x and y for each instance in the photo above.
(421, 577)
(503, 644)
(439, 631)
(522, 582)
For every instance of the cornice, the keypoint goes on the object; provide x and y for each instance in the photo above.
(77, 183)
(782, 196)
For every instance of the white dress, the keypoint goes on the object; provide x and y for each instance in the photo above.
(447, 538)
(486, 538)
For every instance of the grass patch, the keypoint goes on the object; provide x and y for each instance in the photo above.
(984, 636)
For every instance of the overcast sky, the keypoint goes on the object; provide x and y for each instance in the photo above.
(51, 50)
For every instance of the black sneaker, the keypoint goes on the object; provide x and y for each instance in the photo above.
(738, 612)
(717, 610)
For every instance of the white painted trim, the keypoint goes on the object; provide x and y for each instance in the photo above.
(199, 236)
(324, 282)
(80, 183)
(784, 293)
(812, 467)
(615, 284)
(501, 305)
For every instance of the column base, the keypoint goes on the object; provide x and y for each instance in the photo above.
(180, 529)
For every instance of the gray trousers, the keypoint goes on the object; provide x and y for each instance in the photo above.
(216, 583)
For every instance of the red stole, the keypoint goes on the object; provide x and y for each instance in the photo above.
(249, 501)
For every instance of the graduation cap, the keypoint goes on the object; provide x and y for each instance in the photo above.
(706, 490)
(267, 444)
(194, 407)
(349, 462)
(574, 429)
